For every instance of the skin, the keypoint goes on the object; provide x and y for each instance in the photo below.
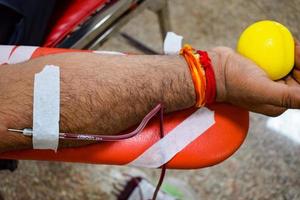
(296, 71)
(107, 94)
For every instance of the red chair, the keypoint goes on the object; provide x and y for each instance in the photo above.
(85, 24)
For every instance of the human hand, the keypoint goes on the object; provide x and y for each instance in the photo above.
(296, 70)
(241, 82)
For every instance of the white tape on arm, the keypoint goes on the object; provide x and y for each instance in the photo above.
(46, 102)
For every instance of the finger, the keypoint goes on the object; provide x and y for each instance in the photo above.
(281, 81)
(296, 74)
(297, 54)
(291, 81)
(276, 93)
(269, 110)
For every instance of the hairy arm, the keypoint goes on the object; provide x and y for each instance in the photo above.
(99, 94)
(107, 94)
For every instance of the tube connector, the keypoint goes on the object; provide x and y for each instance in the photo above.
(25, 131)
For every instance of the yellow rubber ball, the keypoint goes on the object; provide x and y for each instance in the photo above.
(270, 45)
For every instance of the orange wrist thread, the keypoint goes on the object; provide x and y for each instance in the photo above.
(197, 73)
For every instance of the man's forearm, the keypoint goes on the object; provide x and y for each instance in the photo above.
(99, 94)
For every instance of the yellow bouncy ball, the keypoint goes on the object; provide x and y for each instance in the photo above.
(270, 45)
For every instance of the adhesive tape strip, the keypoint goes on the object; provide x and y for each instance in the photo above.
(172, 43)
(176, 140)
(46, 102)
(21, 54)
(5, 53)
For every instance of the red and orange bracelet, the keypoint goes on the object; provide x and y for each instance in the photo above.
(202, 74)
(211, 87)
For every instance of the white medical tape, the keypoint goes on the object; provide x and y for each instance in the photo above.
(176, 140)
(46, 102)
(5, 51)
(21, 54)
(109, 53)
(172, 43)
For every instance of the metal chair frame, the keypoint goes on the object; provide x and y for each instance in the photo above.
(108, 20)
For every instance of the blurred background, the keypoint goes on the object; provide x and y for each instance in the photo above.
(265, 167)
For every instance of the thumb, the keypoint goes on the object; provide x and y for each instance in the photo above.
(280, 94)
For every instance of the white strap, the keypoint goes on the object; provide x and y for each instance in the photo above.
(109, 53)
(21, 54)
(46, 104)
(172, 43)
(176, 140)
(5, 51)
